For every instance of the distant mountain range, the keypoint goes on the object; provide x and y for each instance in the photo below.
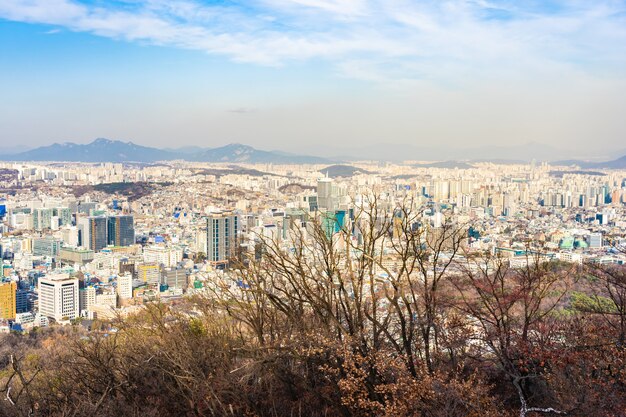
(619, 163)
(105, 150)
(242, 153)
(100, 150)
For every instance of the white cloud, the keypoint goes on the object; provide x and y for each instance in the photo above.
(345, 8)
(374, 40)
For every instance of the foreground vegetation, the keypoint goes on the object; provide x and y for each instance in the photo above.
(329, 329)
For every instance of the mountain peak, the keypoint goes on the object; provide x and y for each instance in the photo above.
(102, 141)
(107, 150)
(237, 145)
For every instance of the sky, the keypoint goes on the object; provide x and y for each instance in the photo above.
(319, 76)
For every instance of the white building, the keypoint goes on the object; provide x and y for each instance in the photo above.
(70, 235)
(58, 297)
(87, 298)
(29, 320)
(169, 257)
(572, 257)
(108, 299)
(21, 221)
(125, 286)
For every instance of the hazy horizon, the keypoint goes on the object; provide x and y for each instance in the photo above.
(300, 75)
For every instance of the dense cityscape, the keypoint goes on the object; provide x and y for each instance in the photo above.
(95, 246)
(117, 251)
(312, 208)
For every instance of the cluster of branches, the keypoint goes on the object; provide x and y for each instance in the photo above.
(389, 316)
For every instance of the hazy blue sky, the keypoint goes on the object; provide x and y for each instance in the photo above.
(331, 73)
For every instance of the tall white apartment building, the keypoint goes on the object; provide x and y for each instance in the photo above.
(58, 297)
(86, 298)
(125, 286)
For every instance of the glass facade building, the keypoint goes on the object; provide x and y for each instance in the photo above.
(121, 230)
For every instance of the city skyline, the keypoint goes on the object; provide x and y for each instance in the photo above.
(274, 74)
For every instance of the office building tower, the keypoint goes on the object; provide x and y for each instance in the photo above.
(333, 221)
(58, 297)
(120, 230)
(7, 299)
(93, 232)
(221, 238)
(23, 301)
(326, 195)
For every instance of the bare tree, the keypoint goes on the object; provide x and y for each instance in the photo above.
(612, 287)
(508, 307)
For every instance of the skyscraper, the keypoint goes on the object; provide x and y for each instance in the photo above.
(97, 232)
(120, 230)
(93, 232)
(325, 196)
(221, 237)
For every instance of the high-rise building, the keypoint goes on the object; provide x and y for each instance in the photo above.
(42, 218)
(120, 230)
(23, 301)
(58, 297)
(326, 198)
(221, 237)
(97, 232)
(7, 299)
(125, 286)
(86, 298)
(93, 232)
(64, 214)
